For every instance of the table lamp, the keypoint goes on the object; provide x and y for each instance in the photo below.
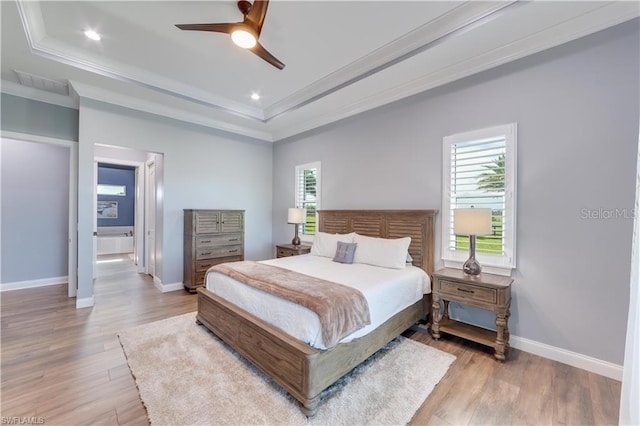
(296, 216)
(472, 222)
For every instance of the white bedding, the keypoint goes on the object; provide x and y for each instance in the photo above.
(388, 291)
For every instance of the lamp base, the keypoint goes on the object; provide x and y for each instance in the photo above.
(471, 267)
(296, 238)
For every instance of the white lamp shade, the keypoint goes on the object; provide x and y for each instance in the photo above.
(297, 215)
(472, 221)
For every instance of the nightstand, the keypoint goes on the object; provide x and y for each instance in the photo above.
(486, 291)
(286, 250)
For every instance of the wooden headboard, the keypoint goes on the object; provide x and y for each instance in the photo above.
(417, 224)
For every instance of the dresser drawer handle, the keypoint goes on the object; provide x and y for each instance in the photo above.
(206, 254)
(233, 251)
(464, 290)
(205, 241)
(233, 239)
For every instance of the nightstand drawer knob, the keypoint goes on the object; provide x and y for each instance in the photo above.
(464, 290)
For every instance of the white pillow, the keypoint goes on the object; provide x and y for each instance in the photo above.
(326, 244)
(409, 259)
(387, 253)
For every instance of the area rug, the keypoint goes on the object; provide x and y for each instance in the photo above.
(187, 376)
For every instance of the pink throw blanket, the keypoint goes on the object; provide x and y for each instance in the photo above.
(342, 310)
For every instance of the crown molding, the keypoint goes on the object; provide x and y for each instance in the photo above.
(591, 22)
(43, 45)
(330, 98)
(400, 49)
(86, 91)
(460, 19)
(16, 89)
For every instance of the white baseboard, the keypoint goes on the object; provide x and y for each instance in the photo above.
(19, 285)
(574, 359)
(165, 288)
(85, 302)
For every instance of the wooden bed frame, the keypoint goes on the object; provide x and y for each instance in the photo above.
(300, 369)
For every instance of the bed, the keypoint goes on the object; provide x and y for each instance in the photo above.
(303, 370)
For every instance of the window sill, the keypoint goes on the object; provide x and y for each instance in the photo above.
(498, 270)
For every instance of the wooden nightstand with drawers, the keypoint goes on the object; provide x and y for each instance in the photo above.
(486, 291)
(286, 250)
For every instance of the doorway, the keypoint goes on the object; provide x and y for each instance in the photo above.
(125, 228)
(115, 226)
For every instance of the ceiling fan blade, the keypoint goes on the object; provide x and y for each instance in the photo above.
(216, 28)
(259, 50)
(257, 13)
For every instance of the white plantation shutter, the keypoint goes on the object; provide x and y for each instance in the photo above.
(479, 171)
(308, 194)
(477, 180)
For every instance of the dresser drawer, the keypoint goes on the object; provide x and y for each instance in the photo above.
(468, 291)
(284, 253)
(202, 266)
(199, 280)
(213, 252)
(218, 240)
(286, 250)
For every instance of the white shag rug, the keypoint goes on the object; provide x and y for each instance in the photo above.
(187, 376)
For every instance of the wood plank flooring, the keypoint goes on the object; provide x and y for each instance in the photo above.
(66, 367)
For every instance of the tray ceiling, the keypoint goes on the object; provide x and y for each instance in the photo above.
(342, 57)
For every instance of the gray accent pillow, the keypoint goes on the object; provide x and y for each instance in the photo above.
(345, 252)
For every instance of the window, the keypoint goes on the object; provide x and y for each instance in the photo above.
(308, 194)
(479, 170)
(117, 190)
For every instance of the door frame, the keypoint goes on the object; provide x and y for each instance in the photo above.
(150, 203)
(72, 239)
(139, 208)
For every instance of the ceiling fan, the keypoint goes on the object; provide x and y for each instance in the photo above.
(246, 33)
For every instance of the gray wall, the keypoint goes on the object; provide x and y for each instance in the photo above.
(35, 210)
(24, 165)
(577, 112)
(203, 168)
(38, 118)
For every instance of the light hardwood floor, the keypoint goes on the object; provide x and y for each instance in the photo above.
(67, 367)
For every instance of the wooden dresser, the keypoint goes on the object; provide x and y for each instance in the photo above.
(210, 237)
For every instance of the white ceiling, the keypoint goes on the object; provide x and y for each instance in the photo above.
(342, 57)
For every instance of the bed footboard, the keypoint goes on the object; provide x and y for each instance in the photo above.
(300, 369)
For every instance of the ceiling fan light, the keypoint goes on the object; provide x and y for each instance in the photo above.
(243, 38)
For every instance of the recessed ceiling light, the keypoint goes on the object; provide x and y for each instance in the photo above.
(255, 96)
(92, 35)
